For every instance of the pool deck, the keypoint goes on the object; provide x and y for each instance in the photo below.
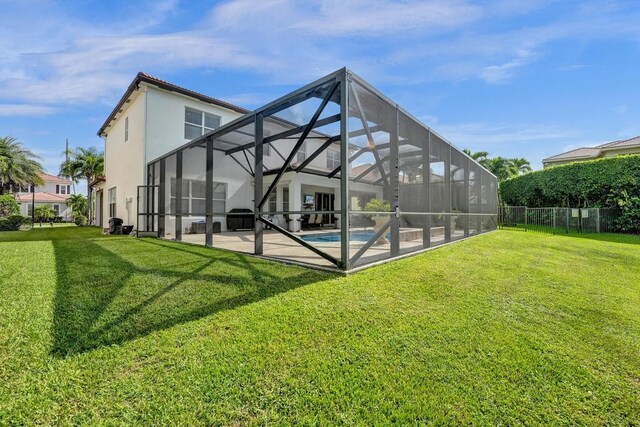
(278, 246)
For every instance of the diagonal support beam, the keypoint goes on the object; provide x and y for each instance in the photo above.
(241, 165)
(286, 133)
(372, 143)
(319, 151)
(301, 140)
(299, 240)
(248, 162)
(371, 241)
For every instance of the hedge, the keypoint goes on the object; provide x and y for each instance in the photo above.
(595, 183)
(13, 222)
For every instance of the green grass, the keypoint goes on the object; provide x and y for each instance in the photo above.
(506, 328)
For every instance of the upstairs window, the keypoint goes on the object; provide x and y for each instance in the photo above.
(63, 189)
(197, 123)
(301, 155)
(333, 159)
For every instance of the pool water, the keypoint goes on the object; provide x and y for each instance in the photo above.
(354, 236)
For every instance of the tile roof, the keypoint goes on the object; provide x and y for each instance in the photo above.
(578, 153)
(624, 143)
(52, 178)
(594, 152)
(144, 77)
(41, 197)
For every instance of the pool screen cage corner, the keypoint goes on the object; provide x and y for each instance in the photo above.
(333, 174)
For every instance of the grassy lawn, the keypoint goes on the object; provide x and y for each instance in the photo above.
(506, 328)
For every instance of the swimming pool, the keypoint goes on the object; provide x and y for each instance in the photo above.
(354, 236)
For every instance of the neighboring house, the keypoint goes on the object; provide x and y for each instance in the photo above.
(610, 149)
(55, 191)
(152, 118)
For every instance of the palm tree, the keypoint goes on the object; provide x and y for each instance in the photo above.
(521, 165)
(481, 157)
(44, 213)
(84, 163)
(77, 203)
(501, 167)
(18, 165)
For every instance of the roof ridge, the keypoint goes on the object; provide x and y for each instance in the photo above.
(618, 141)
(163, 84)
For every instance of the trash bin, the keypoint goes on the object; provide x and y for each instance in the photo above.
(115, 226)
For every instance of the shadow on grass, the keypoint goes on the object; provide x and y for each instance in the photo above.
(110, 291)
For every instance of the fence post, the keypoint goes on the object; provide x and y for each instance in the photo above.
(568, 212)
(554, 220)
(598, 223)
(526, 218)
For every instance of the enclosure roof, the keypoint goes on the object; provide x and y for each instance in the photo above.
(238, 133)
(147, 78)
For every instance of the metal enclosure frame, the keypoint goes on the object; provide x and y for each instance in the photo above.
(426, 191)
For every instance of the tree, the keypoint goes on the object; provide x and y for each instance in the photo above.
(44, 213)
(18, 165)
(78, 204)
(521, 165)
(8, 206)
(84, 163)
(478, 156)
(503, 168)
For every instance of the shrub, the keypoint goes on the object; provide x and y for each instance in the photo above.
(8, 206)
(80, 219)
(629, 219)
(13, 222)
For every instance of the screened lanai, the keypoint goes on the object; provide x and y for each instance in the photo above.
(333, 175)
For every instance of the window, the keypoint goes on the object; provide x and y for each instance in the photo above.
(68, 189)
(57, 189)
(273, 201)
(63, 189)
(197, 123)
(219, 197)
(126, 129)
(302, 153)
(194, 197)
(29, 209)
(285, 199)
(333, 159)
(112, 202)
(56, 210)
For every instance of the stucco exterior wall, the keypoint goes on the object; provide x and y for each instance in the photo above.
(165, 120)
(124, 161)
(621, 152)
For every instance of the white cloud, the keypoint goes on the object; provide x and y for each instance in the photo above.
(13, 110)
(67, 60)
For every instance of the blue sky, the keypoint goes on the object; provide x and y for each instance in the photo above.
(514, 78)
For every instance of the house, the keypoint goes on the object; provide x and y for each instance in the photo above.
(290, 180)
(153, 117)
(610, 149)
(54, 191)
